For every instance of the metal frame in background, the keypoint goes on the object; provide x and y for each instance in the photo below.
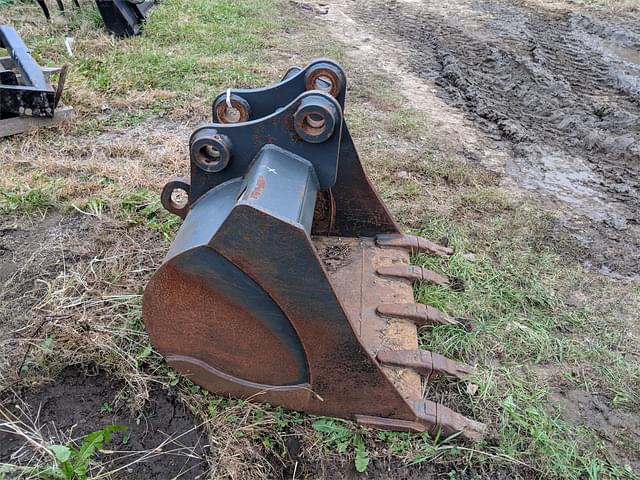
(123, 18)
(28, 100)
(24, 88)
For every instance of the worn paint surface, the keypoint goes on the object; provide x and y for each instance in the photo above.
(259, 188)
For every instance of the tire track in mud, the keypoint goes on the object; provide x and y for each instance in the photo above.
(562, 90)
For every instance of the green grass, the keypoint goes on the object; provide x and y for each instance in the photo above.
(518, 320)
(34, 194)
(143, 207)
(193, 49)
(73, 463)
(38, 196)
(69, 461)
(336, 433)
(514, 310)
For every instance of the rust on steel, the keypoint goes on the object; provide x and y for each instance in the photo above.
(433, 418)
(448, 422)
(166, 197)
(418, 313)
(324, 77)
(424, 362)
(413, 273)
(360, 291)
(237, 113)
(413, 243)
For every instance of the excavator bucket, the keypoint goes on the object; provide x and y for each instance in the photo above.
(289, 281)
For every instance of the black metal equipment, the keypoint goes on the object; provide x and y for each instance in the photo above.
(123, 18)
(24, 89)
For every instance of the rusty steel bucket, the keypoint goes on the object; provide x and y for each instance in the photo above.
(289, 281)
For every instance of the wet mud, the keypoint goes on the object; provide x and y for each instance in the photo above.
(160, 442)
(558, 89)
(335, 255)
(617, 428)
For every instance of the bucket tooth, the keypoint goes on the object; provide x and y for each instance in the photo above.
(424, 362)
(416, 425)
(413, 273)
(421, 315)
(440, 419)
(413, 243)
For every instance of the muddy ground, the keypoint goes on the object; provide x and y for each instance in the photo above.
(161, 439)
(161, 442)
(554, 94)
(547, 96)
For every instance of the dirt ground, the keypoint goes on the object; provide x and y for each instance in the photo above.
(541, 98)
(553, 97)
(82, 402)
(78, 400)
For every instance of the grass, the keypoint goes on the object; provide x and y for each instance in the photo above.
(143, 207)
(73, 463)
(522, 325)
(170, 54)
(56, 456)
(537, 325)
(138, 206)
(189, 52)
(53, 460)
(517, 323)
(29, 199)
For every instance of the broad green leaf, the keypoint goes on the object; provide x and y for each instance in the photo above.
(62, 453)
(144, 353)
(362, 454)
(362, 459)
(326, 425)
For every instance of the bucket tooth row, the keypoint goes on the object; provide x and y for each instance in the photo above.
(287, 281)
